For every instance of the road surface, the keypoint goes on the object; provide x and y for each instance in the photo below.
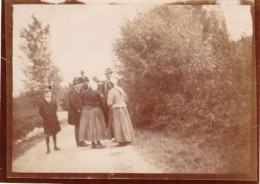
(72, 159)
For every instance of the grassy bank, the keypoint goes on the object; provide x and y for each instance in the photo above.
(175, 154)
(20, 148)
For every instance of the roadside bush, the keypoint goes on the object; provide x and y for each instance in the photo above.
(25, 116)
(184, 75)
(61, 98)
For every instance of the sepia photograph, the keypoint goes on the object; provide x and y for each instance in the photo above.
(147, 90)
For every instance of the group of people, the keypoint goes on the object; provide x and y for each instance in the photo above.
(97, 110)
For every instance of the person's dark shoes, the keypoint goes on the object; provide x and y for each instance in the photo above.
(100, 146)
(122, 144)
(56, 149)
(113, 140)
(48, 151)
(93, 146)
(82, 144)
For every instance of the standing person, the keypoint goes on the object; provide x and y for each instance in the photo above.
(118, 115)
(107, 86)
(51, 125)
(92, 122)
(74, 109)
(101, 89)
(83, 78)
(84, 81)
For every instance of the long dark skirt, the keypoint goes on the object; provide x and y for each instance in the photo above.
(121, 124)
(92, 124)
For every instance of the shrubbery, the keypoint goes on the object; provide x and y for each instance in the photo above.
(25, 117)
(183, 74)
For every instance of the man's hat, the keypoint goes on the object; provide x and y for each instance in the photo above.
(108, 71)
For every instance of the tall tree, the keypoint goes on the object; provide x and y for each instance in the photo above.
(171, 53)
(39, 69)
(182, 72)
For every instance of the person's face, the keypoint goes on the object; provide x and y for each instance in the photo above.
(108, 75)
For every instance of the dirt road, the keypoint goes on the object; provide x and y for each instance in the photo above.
(72, 159)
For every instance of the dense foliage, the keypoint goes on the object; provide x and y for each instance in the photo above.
(183, 74)
(39, 69)
(25, 116)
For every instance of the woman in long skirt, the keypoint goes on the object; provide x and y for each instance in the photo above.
(92, 123)
(119, 117)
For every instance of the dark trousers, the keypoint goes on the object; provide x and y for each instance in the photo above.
(106, 116)
(109, 124)
(77, 134)
(48, 141)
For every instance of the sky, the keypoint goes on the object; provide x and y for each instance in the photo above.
(82, 35)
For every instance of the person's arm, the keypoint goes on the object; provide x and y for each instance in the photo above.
(41, 111)
(110, 98)
(69, 102)
(126, 98)
(77, 101)
(73, 102)
(55, 105)
(100, 99)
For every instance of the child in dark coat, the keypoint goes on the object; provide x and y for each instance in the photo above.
(51, 125)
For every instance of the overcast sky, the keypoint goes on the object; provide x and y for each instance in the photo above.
(82, 35)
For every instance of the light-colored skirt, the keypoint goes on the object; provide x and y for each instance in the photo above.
(120, 125)
(92, 124)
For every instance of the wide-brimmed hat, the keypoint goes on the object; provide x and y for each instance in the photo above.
(108, 71)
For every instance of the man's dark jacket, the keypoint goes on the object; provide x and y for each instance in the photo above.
(74, 106)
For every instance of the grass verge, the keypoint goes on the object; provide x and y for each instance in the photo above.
(173, 154)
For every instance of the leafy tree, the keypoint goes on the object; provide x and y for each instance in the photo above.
(40, 72)
(170, 51)
(184, 74)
